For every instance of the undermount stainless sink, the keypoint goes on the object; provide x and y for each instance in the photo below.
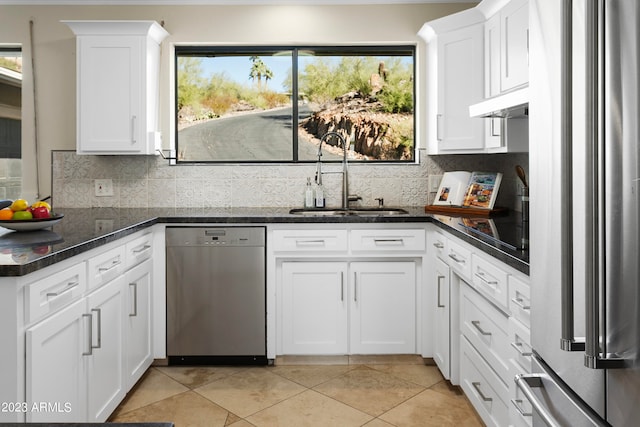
(344, 212)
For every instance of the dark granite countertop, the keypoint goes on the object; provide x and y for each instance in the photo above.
(22, 253)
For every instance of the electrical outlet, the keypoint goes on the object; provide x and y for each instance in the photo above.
(434, 183)
(104, 226)
(104, 187)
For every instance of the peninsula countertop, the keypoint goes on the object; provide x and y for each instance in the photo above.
(22, 253)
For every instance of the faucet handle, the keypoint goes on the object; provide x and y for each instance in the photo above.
(354, 198)
(380, 201)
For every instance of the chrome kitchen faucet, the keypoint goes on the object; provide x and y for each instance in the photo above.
(346, 198)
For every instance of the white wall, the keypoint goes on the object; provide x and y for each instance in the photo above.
(54, 47)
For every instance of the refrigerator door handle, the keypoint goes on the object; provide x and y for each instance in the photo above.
(596, 355)
(568, 341)
(526, 383)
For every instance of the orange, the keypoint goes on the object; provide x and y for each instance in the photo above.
(6, 213)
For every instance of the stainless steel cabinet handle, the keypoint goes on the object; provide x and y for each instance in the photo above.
(141, 249)
(133, 129)
(114, 264)
(341, 286)
(517, 403)
(388, 242)
(134, 285)
(89, 351)
(456, 259)
(438, 245)
(439, 304)
(355, 287)
(68, 287)
(476, 385)
(439, 127)
(99, 312)
(520, 303)
(480, 275)
(519, 348)
(476, 324)
(319, 242)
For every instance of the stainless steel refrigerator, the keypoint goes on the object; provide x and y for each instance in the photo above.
(584, 164)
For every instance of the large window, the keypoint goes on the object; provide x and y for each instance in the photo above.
(273, 104)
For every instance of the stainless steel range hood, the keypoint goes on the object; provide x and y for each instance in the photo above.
(514, 104)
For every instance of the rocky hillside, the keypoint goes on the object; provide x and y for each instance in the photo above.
(378, 135)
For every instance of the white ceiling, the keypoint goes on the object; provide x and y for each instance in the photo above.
(221, 2)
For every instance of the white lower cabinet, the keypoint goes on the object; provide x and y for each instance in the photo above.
(439, 279)
(383, 307)
(314, 308)
(139, 354)
(348, 308)
(86, 334)
(56, 367)
(105, 370)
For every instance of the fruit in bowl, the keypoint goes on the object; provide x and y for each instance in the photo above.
(21, 210)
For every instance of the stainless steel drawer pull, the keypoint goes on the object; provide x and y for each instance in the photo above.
(480, 275)
(520, 349)
(141, 249)
(456, 259)
(476, 324)
(517, 403)
(438, 245)
(388, 242)
(520, 303)
(134, 285)
(114, 264)
(68, 287)
(476, 385)
(319, 242)
(440, 305)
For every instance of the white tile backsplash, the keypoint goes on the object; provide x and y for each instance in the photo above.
(149, 181)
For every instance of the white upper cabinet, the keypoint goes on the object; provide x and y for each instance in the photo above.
(514, 21)
(117, 86)
(455, 67)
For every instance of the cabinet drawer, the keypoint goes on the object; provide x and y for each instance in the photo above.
(310, 241)
(388, 241)
(490, 280)
(49, 294)
(459, 258)
(437, 244)
(483, 388)
(486, 328)
(138, 250)
(520, 300)
(520, 342)
(106, 266)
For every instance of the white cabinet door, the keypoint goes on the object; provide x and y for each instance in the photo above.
(138, 355)
(314, 308)
(56, 366)
(515, 44)
(110, 87)
(106, 364)
(383, 307)
(440, 284)
(118, 66)
(460, 84)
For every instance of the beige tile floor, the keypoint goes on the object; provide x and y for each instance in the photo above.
(299, 392)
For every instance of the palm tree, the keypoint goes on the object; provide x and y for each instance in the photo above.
(259, 70)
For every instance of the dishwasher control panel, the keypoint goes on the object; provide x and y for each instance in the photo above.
(215, 236)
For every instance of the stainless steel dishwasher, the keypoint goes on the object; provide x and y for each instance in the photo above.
(216, 308)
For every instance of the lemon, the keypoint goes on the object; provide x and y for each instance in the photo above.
(41, 203)
(19, 205)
